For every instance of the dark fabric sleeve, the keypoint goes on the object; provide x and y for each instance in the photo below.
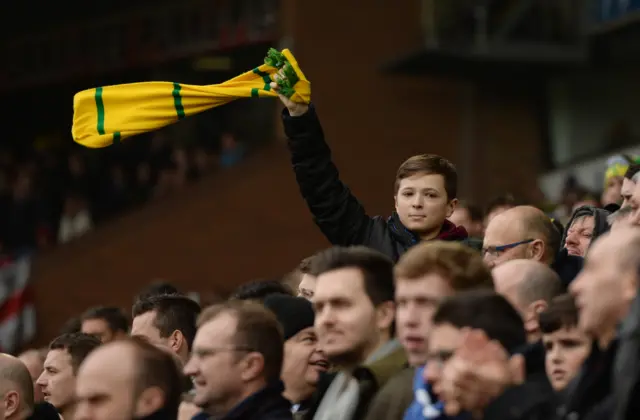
(340, 216)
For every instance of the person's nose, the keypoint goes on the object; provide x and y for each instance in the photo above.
(409, 315)
(190, 368)
(431, 373)
(416, 201)
(41, 381)
(325, 318)
(555, 355)
(572, 239)
(489, 260)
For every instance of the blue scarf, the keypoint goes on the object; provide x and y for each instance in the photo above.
(425, 405)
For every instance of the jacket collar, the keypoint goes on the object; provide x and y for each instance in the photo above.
(448, 232)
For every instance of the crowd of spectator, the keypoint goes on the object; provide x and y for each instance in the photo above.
(53, 196)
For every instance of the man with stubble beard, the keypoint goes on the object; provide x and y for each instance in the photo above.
(58, 380)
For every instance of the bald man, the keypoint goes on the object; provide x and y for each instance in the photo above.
(128, 379)
(34, 361)
(529, 286)
(522, 232)
(16, 389)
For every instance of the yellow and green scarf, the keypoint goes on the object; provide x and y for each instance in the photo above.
(108, 114)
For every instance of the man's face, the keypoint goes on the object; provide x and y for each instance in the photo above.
(347, 323)
(105, 385)
(303, 362)
(422, 202)
(634, 202)
(601, 288)
(627, 191)
(444, 340)
(566, 350)
(58, 381)
(144, 326)
(33, 362)
(416, 301)
(99, 328)
(307, 286)
(579, 236)
(216, 364)
(501, 233)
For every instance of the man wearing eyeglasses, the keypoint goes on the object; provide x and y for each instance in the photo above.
(235, 363)
(523, 232)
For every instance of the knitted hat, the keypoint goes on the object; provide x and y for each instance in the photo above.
(294, 313)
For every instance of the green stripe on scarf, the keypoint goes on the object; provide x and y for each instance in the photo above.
(265, 78)
(100, 108)
(177, 100)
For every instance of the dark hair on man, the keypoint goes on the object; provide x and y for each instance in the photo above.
(78, 345)
(72, 325)
(475, 212)
(487, 311)
(172, 312)
(293, 278)
(461, 266)
(257, 330)
(376, 269)
(259, 290)
(158, 288)
(633, 169)
(158, 368)
(504, 200)
(561, 313)
(114, 317)
(429, 165)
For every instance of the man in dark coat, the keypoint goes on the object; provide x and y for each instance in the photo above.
(425, 193)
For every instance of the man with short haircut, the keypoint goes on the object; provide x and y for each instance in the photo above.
(105, 322)
(16, 389)
(424, 276)
(529, 286)
(168, 321)
(629, 184)
(425, 192)
(128, 380)
(33, 359)
(522, 232)
(58, 380)
(354, 313)
(236, 363)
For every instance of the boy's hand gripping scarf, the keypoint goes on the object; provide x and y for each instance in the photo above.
(109, 114)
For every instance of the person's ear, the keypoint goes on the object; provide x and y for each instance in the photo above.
(451, 206)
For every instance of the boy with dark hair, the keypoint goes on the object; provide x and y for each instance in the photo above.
(425, 192)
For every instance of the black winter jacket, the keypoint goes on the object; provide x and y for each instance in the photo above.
(338, 214)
